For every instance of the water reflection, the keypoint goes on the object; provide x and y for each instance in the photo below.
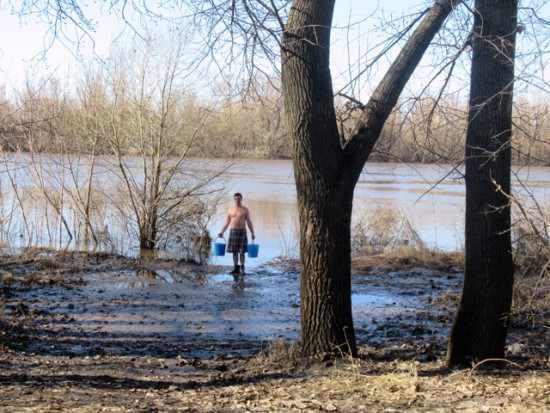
(145, 277)
(373, 299)
(238, 282)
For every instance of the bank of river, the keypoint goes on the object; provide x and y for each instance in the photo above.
(87, 333)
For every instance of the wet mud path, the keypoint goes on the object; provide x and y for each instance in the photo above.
(86, 305)
(83, 333)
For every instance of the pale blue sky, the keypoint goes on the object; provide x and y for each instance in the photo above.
(23, 40)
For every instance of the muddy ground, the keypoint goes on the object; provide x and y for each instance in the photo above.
(102, 333)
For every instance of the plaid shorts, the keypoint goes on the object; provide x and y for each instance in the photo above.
(238, 242)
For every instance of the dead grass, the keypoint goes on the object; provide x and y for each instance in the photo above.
(385, 238)
(147, 384)
(408, 257)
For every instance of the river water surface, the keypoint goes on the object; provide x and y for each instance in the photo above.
(430, 197)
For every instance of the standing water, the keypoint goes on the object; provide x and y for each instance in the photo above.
(429, 197)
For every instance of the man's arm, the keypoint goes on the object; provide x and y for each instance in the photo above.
(227, 222)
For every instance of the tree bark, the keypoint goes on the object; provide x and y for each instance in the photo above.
(326, 172)
(481, 324)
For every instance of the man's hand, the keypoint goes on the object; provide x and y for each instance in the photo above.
(253, 236)
(220, 235)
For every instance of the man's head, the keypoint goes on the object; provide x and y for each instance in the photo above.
(238, 197)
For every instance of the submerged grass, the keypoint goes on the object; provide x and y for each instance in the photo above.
(383, 230)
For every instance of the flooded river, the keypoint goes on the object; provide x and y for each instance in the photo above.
(430, 197)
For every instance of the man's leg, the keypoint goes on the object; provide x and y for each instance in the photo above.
(235, 263)
(242, 262)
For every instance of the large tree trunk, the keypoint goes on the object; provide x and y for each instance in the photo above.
(325, 171)
(481, 324)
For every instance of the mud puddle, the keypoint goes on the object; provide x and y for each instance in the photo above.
(197, 311)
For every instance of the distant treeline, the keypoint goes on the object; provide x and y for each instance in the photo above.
(48, 120)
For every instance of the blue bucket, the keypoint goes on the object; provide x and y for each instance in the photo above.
(219, 247)
(253, 250)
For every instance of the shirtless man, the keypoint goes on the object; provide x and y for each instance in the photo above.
(238, 217)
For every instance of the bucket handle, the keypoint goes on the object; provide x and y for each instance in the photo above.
(221, 238)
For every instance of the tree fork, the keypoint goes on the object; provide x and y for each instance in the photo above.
(325, 172)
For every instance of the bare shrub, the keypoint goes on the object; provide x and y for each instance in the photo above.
(532, 258)
(383, 230)
(187, 229)
(278, 353)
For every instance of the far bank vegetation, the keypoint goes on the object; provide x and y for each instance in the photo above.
(250, 127)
